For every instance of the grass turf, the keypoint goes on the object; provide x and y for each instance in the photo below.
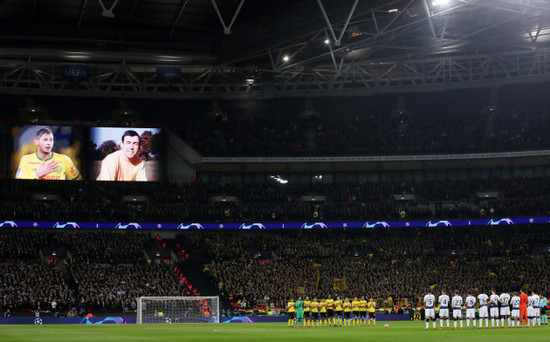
(241, 332)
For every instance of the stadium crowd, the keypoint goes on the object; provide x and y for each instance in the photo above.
(103, 271)
(377, 264)
(169, 202)
(514, 126)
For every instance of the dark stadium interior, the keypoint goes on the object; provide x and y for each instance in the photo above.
(413, 113)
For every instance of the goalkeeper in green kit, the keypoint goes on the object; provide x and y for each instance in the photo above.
(299, 312)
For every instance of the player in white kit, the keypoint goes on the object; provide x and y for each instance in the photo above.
(536, 309)
(514, 302)
(429, 302)
(483, 310)
(470, 310)
(504, 301)
(530, 304)
(530, 310)
(456, 302)
(444, 301)
(493, 308)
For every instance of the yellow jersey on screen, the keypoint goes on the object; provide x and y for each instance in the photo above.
(29, 164)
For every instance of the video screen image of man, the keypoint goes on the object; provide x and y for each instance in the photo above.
(44, 163)
(124, 164)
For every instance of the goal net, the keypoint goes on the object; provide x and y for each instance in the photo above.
(178, 310)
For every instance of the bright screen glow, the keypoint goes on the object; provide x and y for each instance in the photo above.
(125, 154)
(45, 153)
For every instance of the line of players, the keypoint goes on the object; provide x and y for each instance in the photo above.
(525, 309)
(332, 312)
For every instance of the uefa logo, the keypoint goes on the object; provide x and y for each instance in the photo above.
(378, 224)
(132, 225)
(252, 226)
(315, 225)
(503, 221)
(66, 225)
(190, 226)
(438, 224)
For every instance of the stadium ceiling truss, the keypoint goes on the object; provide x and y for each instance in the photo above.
(410, 45)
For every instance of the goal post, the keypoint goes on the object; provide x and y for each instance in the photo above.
(192, 309)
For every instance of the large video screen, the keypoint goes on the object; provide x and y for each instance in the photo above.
(125, 154)
(46, 152)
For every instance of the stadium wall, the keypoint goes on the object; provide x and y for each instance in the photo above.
(180, 159)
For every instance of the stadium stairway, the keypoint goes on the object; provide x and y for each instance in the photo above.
(489, 123)
(193, 269)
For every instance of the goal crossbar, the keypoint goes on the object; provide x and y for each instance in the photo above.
(175, 309)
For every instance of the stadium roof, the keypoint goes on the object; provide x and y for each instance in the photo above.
(236, 47)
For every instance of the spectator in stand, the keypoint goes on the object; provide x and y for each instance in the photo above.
(434, 200)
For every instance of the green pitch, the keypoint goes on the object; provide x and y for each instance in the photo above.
(241, 332)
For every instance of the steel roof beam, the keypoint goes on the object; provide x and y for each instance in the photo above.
(108, 12)
(329, 25)
(182, 5)
(82, 10)
(227, 28)
(430, 21)
(132, 10)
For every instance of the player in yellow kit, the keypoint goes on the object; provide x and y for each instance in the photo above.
(323, 312)
(355, 314)
(371, 308)
(307, 312)
(291, 311)
(124, 164)
(363, 311)
(46, 164)
(347, 312)
(338, 317)
(314, 312)
(330, 310)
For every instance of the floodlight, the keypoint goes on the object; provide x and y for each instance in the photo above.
(440, 2)
(279, 179)
(78, 55)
